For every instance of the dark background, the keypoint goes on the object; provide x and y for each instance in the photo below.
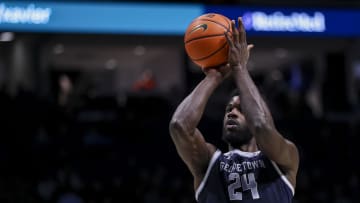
(84, 118)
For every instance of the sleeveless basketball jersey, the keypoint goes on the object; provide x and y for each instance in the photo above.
(239, 176)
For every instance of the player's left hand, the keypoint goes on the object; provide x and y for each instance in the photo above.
(222, 71)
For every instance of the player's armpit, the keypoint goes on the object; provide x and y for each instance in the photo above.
(193, 149)
(281, 151)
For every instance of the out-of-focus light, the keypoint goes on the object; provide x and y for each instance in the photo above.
(58, 49)
(7, 37)
(281, 53)
(139, 50)
(111, 64)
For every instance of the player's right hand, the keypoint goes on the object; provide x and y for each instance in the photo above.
(239, 50)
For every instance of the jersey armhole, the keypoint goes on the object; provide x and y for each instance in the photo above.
(283, 177)
(210, 166)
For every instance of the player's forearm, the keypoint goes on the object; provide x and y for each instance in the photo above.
(260, 121)
(253, 106)
(188, 114)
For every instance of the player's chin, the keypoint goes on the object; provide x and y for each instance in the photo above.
(230, 133)
(232, 128)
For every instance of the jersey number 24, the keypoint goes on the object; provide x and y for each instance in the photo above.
(246, 182)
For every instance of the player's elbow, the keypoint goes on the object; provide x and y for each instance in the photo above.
(176, 127)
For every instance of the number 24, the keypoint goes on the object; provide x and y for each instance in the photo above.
(246, 181)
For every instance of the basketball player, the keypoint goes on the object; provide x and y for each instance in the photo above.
(261, 165)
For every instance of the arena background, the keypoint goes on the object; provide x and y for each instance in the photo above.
(87, 91)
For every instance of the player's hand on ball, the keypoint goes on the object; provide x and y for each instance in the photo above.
(222, 71)
(225, 70)
(239, 50)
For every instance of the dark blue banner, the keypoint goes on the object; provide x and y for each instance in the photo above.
(294, 21)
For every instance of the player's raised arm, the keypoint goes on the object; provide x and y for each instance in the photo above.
(256, 112)
(189, 142)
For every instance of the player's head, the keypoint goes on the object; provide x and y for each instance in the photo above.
(235, 129)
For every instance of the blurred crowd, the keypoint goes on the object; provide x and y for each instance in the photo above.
(65, 150)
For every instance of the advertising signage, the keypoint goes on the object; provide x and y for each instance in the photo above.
(171, 19)
(295, 21)
(122, 18)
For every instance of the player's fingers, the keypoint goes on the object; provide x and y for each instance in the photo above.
(250, 46)
(242, 33)
(234, 31)
(228, 39)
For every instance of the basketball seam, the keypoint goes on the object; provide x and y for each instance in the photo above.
(227, 29)
(216, 51)
(226, 19)
(206, 36)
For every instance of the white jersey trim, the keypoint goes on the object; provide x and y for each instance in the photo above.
(243, 153)
(202, 184)
(283, 177)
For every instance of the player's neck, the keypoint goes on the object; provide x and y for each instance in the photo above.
(249, 147)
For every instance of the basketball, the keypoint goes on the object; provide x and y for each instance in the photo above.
(204, 39)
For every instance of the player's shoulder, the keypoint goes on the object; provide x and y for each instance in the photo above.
(211, 148)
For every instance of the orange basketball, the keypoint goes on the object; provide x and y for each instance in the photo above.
(205, 42)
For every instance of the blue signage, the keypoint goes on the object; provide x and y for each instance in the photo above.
(294, 21)
(280, 22)
(171, 19)
(29, 14)
(123, 18)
